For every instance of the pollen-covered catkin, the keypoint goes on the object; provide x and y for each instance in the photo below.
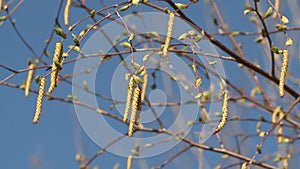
(56, 66)
(129, 162)
(128, 99)
(169, 34)
(278, 112)
(144, 86)
(67, 11)
(0, 5)
(136, 107)
(29, 78)
(283, 72)
(224, 115)
(39, 101)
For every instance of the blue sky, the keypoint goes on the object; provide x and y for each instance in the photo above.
(54, 141)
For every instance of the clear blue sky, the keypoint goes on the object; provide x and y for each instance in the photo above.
(54, 141)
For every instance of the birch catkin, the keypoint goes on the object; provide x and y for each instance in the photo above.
(67, 11)
(224, 115)
(129, 162)
(0, 5)
(29, 78)
(169, 34)
(136, 108)
(39, 101)
(283, 72)
(56, 66)
(128, 99)
(144, 86)
(278, 112)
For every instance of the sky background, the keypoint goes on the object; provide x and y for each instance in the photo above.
(54, 141)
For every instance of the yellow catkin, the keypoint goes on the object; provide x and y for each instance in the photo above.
(277, 4)
(128, 98)
(57, 59)
(285, 163)
(129, 162)
(284, 66)
(278, 112)
(0, 5)
(136, 108)
(169, 34)
(29, 78)
(39, 101)
(144, 86)
(67, 11)
(224, 115)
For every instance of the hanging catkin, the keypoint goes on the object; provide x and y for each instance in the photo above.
(67, 11)
(29, 78)
(129, 162)
(128, 98)
(225, 113)
(39, 101)
(144, 88)
(169, 34)
(136, 108)
(283, 72)
(56, 66)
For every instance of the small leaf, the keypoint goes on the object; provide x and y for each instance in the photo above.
(281, 27)
(75, 40)
(198, 81)
(75, 48)
(197, 38)
(198, 96)
(192, 33)
(284, 19)
(46, 53)
(131, 37)
(138, 79)
(274, 49)
(244, 165)
(235, 33)
(3, 18)
(85, 85)
(117, 39)
(212, 62)
(71, 96)
(146, 57)
(277, 158)
(124, 8)
(181, 6)
(37, 79)
(182, 36)
(125, 44)
(82, 33)
(268, 13)
(225, 156)
(258, 148)
(135, 2)
(190, 123)
(148, 145)
(59, 32)
(289, 42)
(116, 166)
(155, 34)
(92, 13)
(258, 39)
(247, 11)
